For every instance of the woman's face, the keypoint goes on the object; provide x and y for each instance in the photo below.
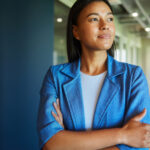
(95, 27)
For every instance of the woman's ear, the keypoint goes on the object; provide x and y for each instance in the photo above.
(75, 32)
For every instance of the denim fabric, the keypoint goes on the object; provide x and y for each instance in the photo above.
(124, 94)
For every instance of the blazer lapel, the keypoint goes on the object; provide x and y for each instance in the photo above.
(73, 93)
(108, 91)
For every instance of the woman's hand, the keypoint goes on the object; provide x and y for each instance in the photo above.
(135, 133)
(58, 117)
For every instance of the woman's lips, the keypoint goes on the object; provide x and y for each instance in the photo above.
(104, 36)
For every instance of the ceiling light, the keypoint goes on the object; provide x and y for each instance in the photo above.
(59, 20)
(147, 29)
(115, 2)
(135, 14)
(68, 3)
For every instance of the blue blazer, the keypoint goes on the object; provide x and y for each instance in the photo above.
(124, 94)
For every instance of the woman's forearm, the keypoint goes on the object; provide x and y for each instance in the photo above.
(133, 133)
(84, 140)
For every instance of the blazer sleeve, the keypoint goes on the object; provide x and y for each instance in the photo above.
(138, 100)
(47, 126)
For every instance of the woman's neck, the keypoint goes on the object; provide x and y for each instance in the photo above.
(94, 63)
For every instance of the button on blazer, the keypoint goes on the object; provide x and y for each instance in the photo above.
(124, 94)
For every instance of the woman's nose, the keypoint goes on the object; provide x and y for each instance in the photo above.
(103, 25)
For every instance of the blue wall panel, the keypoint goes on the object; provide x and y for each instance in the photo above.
(26, 47)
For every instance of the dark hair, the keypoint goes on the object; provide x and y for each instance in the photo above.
(73, 45)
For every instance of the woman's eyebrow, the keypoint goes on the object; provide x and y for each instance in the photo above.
(92, 14)
(109, 13)
(97, 14)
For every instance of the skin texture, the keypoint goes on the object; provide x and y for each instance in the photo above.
(94, 21)
(95, 30)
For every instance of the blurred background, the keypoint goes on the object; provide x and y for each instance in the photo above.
(33, 37)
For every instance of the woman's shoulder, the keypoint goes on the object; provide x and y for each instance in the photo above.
(55, 69)
(116, 66)
(131, 72)
(58, 66)
(128, 66)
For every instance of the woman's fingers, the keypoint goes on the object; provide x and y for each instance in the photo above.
(60, 114)
(58, 117)
(138, 134)
(55, 116)
(140, 116)
(58, 103)
(57, 108)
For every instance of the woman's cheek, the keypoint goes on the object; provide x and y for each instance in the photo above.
(113, 30)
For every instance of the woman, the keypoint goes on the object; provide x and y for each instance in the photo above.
(101, 101)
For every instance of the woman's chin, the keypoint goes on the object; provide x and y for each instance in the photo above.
(107, 46)
(104, 48)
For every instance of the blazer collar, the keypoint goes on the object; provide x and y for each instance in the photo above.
(71, 69)
(73, 92)
(114, 68)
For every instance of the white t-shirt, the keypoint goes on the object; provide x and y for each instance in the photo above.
(91, 87)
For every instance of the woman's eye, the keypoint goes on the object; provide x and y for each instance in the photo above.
(110, 19)
(93, 19)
